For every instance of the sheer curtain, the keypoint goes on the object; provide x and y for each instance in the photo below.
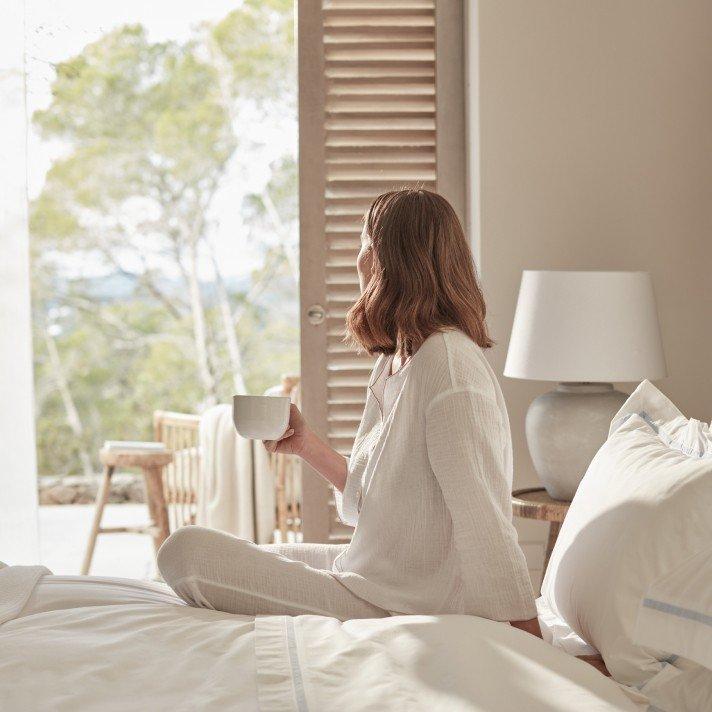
(18, 488)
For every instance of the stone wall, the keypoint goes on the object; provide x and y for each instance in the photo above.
(76, 489)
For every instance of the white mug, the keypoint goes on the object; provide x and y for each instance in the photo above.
(260, 417)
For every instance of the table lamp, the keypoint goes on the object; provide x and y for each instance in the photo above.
(583, 330)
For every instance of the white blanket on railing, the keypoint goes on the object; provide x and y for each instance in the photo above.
(236, 492)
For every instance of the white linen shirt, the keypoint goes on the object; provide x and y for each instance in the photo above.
(429, 492)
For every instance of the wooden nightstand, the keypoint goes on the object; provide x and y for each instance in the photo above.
(535, 503)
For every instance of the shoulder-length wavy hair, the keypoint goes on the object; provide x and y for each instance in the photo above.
(423, 278)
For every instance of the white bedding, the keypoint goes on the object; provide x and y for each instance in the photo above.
(152, 653)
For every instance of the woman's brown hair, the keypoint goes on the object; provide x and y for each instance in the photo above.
(423, 278)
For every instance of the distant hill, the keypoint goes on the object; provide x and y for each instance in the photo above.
(118, 287)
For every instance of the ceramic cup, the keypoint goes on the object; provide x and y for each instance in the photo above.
(260, 417)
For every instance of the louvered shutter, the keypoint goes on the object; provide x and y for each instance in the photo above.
(381, 107)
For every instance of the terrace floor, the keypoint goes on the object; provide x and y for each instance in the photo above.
(63, 537)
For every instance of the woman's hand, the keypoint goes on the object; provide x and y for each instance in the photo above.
(299, 439)
(294, 439)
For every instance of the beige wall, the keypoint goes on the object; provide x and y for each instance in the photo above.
(595, 152)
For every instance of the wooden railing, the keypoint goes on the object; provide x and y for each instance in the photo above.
(288, 496)
(288, 478)
(180, 433)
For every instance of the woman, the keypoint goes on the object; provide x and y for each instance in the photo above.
(428, 482)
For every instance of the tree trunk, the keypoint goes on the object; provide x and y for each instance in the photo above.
(290, 250)
(233, 347)
(206, 376)
(70, 409)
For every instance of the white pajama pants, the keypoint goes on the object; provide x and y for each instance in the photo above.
(211, 569)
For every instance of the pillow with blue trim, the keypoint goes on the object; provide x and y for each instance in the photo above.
(643, 508)
(676, 610)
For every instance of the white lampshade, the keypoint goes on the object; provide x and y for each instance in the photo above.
(585, 326)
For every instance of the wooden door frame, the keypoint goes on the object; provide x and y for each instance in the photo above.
(312, 253)
(450, 127)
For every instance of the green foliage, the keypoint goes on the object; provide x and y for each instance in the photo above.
(149, 130)
(257, 41)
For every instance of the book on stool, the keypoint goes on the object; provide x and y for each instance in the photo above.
(133, 446)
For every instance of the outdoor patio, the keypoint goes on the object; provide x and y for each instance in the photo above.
(63, 537)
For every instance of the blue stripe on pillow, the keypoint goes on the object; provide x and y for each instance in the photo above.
(678, 611)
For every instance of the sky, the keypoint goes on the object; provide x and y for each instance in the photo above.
(58, 29)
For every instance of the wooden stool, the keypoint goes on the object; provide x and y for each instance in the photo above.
(535, 503)
(151, 465)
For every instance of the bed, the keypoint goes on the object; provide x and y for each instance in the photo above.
(90, 643)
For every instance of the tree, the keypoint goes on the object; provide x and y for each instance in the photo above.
(150, 131)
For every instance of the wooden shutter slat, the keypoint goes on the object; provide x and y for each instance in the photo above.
(341, 275)
(401, 105)
(391, 174)
(376, 90)
(342, 74)
(367, 154)
(336, 280)
(342, 300)
(345, 166)
(378, 123)
(375, 7)
(360, 22)
(389, 139)
(369, 191)
(383, 37)
(341, 255)
(386, 54)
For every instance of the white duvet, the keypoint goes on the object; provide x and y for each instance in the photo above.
(150, 652)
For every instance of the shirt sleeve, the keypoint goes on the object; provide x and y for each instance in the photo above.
(466, 442)
(348, 501)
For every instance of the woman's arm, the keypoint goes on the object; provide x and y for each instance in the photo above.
(466, 446)
(299, 439)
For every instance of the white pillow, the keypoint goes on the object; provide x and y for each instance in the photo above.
(675, 613)
(557, 632)
(644, 505)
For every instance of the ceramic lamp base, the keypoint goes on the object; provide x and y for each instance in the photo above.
(565, 428)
